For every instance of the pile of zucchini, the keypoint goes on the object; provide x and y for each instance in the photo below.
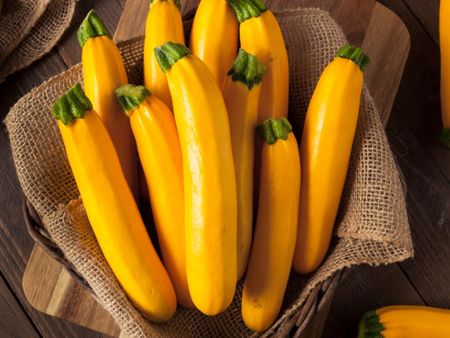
(209, 128)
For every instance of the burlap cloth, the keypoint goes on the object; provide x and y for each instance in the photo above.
(47, 28)
(372, 224)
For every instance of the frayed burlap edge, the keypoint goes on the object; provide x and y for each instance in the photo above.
(42, 38)
(17, 19)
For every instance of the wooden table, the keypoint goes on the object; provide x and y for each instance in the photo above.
(412, 131)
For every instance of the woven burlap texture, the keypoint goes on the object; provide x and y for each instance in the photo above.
(41, 39)
(372, 223)
(17, 19)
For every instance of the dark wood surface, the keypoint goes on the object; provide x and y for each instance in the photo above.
(412, 130)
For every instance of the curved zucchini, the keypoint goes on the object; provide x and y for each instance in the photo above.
(325, 149)
(111, 209)
(158, 146)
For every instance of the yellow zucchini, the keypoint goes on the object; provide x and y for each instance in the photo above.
(209, 179)
(103, 72)
(276, 226)
(111, 209)
(241, 91)
(163, 24)
(444, 33)
(325, 149)
(405, 322)
(214, 36)
(261, 36)
(158, 146)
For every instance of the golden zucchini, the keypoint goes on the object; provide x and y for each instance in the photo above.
(163, 24)
(276, 226)
(111, 208)
(241, 91)
(158, 146)
(325, 149)
(209, 179)
(405, 322)
(103, 72)
(214, 37)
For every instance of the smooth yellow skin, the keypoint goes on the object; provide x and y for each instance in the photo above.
(209, 184)
(159, 149)
(103, 72)
(325, 153)
(163, 24)
(262, 37)
(275, 234)
(414, 322)
(444, 31)
(115, 218)
(242, 107)
(214, 37)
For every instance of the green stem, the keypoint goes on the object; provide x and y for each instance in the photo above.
(247, 69)
(131, 96)
(274, 129)
(170, 53)
(355, 54)
(445, 138)
(370, 326)
(91, 27)
(175, 2)
(71, 105)
(247, 9)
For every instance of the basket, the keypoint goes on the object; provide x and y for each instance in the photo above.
(372, 222)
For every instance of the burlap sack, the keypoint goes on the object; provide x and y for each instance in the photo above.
(372, 225)
(16, 21)
(42, 38)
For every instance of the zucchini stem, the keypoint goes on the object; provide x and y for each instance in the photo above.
(170, 53)
(274, 129)
(91, 27)
(247, 9)
(71, 105)
(355, 54)
(130, 96)
(247, 69)
(370, 326)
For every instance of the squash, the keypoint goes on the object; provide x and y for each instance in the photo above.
(158, 146)
(276, 226)
(241, 91)
(260, 35)
(209, 179)
(111, 209)
(325, 149)
(103, 72)
(214, 37)
(405, 321)
(163, 24)
(444, 33)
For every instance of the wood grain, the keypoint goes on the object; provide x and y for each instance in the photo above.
(53, 291)
(61, 294)
(12, 317)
